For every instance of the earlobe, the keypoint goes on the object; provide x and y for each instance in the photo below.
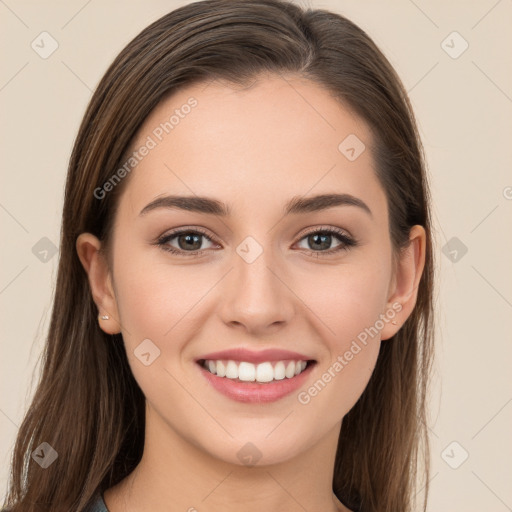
(100, 281)
(407, 278)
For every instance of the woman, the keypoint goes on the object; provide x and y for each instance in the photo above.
(243, 309)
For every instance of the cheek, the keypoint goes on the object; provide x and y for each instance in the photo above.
(348, 305)
(152, 297)
(344, 300)
(341, 382)
(160, 304)
(353, 342)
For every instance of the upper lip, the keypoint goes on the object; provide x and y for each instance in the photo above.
(243, 354)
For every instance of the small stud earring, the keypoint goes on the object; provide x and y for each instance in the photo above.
(394, 322)
(104, 317)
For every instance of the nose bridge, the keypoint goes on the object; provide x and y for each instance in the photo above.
(256, 295)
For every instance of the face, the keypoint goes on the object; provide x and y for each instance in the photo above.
(315, 280)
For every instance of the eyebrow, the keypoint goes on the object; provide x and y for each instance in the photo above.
(296, 205)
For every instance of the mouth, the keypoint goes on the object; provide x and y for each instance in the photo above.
(247, 382)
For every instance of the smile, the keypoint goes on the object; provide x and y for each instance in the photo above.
(247, 382)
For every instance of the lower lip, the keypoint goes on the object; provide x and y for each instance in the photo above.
(255, 392)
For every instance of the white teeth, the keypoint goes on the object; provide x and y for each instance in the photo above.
(232, 370)
(279, 371)
(264, 372)
(290, 370)
(221, 368)
(249, 372)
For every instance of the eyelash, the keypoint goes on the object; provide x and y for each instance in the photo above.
(346, 241)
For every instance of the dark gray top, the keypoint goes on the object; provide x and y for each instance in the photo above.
(97, 504)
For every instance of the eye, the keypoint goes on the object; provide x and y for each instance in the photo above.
(322, 239)
(188, 241)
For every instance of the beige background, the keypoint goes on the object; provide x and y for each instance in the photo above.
(464, 108)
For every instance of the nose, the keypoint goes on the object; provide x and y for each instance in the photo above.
(256, 296)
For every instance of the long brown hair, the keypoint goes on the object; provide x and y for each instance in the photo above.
(88, 406)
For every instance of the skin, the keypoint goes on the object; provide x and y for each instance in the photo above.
(253, 148)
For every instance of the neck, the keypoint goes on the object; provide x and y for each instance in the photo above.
(174, 474)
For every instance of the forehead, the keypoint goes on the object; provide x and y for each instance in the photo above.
(277, 138)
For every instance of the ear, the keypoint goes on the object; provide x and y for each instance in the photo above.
(406, 278)
(100, 280)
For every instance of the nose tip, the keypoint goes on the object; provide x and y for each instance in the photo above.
(254, 296)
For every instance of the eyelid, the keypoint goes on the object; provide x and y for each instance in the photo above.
(188, 229)
(309, 231)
